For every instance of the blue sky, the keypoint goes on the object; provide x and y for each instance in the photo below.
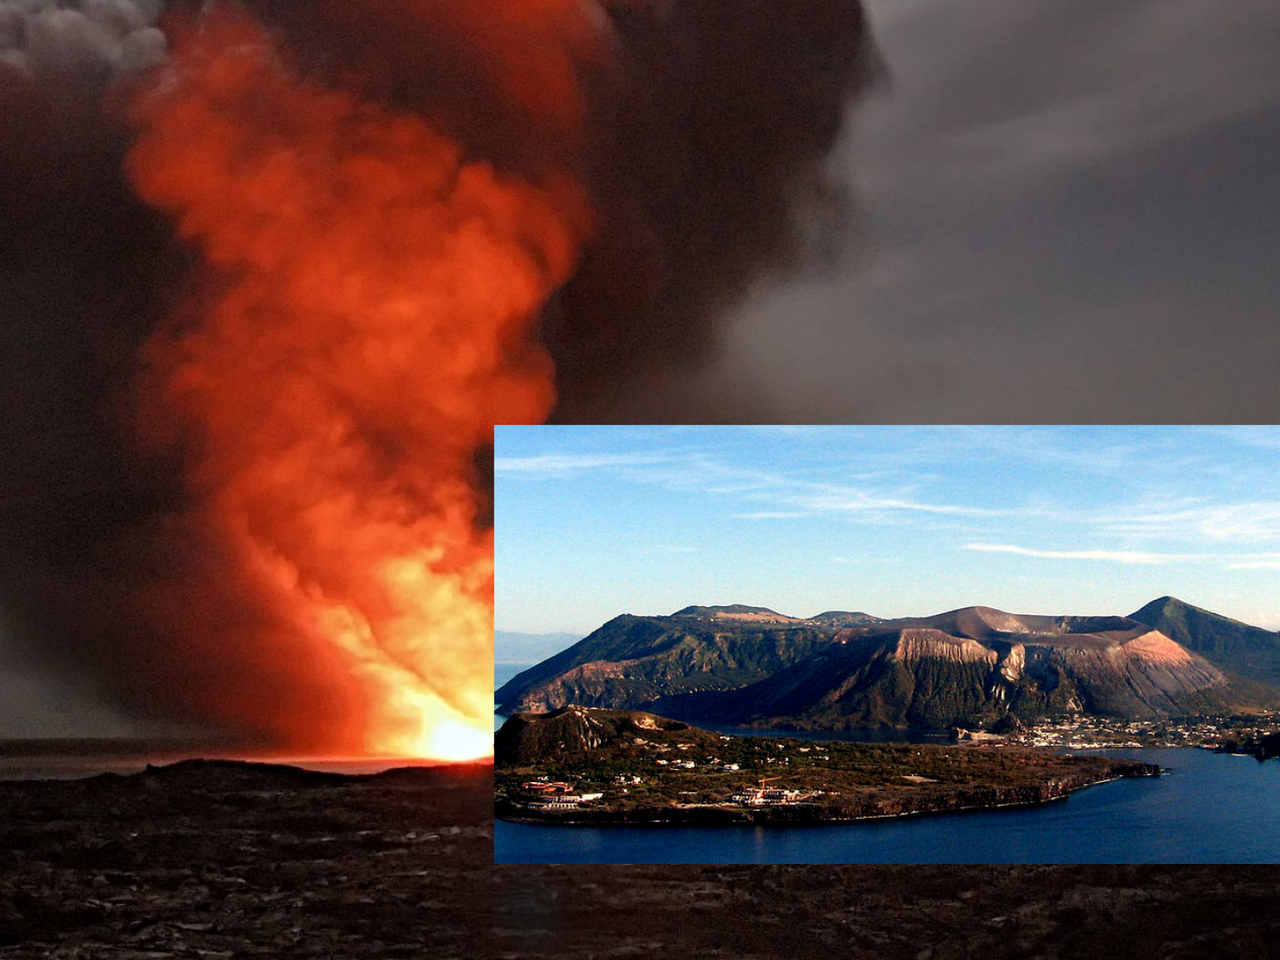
(597, 521)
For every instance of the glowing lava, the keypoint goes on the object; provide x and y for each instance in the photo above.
(367, 318)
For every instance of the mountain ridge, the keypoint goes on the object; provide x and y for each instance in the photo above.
(973, 666)
(1237, 646)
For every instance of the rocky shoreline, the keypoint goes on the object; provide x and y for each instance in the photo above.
(585, 765)
(871, 807)
(1261, 746)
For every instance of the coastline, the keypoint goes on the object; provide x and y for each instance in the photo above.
(852, 810)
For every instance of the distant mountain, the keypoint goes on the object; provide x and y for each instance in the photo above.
(633, 660)
(971, 667)
(734, 611)
(511, 647)
(1234, 646)
(742, 613)
(846, 618)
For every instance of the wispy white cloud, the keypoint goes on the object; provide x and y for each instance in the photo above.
(566, 464)
(1243, 561)
(1272, 563)
(1160, 519)
(1251, 522)
(779, 494)
(1110, 556)
(845, 500)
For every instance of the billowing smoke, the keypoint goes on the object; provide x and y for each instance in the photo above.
(276, 272)
(84, 41)
(87, 270)
(708, 171)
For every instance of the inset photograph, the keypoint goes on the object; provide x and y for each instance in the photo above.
(886, 644)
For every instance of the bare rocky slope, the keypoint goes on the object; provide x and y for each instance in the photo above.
(1236, 647)
(969, 667)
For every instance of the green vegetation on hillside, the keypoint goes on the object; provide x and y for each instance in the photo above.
(975, 667)
(1250, 652)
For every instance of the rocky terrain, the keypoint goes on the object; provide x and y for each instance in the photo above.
(1263, 746)
(894, 913)
(974, 667)
(226, 859)
(213, 860)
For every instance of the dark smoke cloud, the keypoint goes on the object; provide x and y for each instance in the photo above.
(85, 273)
(708, 168)
(704, 152)
(703, 147)
(1068, 220)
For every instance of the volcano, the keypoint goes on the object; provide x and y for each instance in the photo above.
(271, 272)
(974, 666)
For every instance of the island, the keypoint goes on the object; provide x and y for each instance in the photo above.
(589, 765)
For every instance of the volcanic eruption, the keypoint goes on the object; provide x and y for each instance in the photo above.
(344, 241)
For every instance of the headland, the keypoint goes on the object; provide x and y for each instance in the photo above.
(581, 765)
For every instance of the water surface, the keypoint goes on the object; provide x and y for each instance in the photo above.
(1211, 808)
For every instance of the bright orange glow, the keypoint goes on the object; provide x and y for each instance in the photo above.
(376, 296)
(451, 740)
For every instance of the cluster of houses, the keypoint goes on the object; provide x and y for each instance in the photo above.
(713, 762)
(555, 795)
(761, 795)
(558, 795)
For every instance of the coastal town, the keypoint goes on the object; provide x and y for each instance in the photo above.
(1091, 733)
(594, 765)
(709, 769)
(546, 795)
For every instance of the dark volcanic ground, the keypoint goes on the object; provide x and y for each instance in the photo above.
(226, 859)
(236, 860)
(895, 913)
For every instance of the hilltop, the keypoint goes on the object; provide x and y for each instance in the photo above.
(570, 731)
(1235, 647)
(972, 667)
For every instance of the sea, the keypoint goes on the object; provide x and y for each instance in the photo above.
(1208, 808)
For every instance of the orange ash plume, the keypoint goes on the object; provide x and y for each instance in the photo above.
(375, 291)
